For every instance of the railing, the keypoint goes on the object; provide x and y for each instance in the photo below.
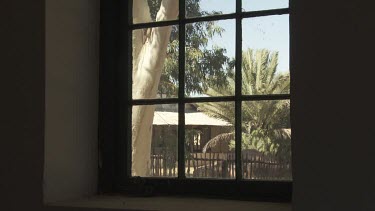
(222, 165)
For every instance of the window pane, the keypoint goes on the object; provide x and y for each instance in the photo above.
(210, 51)
(265, 62)
(255, 5)
(155, 145)
(266, 140)
(209, 140)
(201, 8)
(155, 62)
(145, 11)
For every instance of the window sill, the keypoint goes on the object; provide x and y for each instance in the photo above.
(170, 203)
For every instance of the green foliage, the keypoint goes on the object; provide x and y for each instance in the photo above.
(265, 124)
(190, 134)
(166, 143)
(206, 66)
(259, 73)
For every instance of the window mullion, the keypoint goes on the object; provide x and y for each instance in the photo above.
(125, 115)
(181, 92)
(238, 92)
(129, 75)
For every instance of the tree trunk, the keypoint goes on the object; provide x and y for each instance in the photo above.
(149, 54)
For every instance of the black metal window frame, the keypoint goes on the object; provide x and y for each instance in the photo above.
(115, 109)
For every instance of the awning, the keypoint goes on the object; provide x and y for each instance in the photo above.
(194, 118)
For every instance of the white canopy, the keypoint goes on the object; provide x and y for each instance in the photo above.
(194, 118)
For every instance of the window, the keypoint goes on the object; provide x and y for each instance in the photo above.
(177, 117)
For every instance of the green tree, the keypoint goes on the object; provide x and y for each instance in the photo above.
(265, 124)
(205, 66)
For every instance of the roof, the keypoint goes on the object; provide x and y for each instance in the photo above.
(194, 118)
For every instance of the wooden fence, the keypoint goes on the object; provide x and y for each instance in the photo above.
(222, 165)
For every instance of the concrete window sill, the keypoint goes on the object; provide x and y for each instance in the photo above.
(171, 203)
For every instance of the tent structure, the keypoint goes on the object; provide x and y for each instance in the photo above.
(193, 118)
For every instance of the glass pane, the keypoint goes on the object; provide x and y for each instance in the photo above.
(154, 140)
(155, 62)
(145, 11)
(265, 62)
(209, 140)
(266, 140)
(255, 5)
(210, 52)
(201, 8)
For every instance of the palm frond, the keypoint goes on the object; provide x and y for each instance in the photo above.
(264, 123)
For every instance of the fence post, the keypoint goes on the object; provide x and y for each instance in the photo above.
(188, 165)
(251, 166)
(224, 169)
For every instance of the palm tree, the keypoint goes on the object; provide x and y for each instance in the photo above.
(265, 124)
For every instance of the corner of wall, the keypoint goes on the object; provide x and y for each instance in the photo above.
(71, 99)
